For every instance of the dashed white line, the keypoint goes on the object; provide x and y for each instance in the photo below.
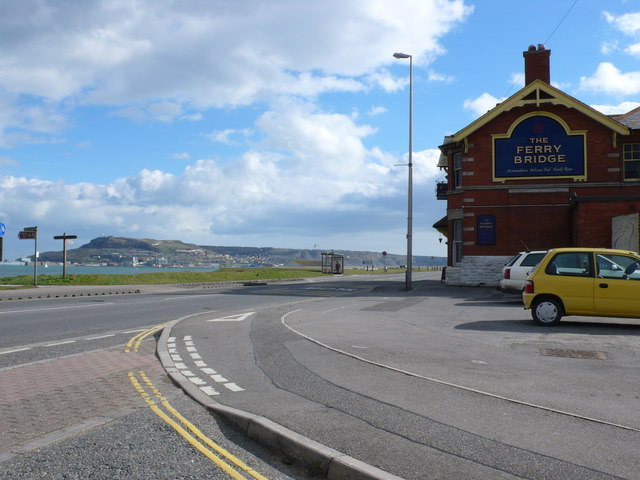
(233, 387)
(210, 390)
(59, 343)
(29, 310)
(14, 351)
(101, 336)
(198, 362)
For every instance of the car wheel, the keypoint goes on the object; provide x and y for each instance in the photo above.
(547, 311)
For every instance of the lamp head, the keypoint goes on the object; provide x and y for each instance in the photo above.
(401, 55)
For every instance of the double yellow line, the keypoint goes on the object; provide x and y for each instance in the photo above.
(186, 429)
(134, 343)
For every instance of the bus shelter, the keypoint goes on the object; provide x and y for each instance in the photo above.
(333, 263)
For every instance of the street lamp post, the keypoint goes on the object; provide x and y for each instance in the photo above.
(410, 165)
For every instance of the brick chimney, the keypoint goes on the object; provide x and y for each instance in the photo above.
(536, 64)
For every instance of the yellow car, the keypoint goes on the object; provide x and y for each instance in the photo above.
(597, 282)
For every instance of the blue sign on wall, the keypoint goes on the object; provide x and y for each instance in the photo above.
(486, 230)
(539, 146)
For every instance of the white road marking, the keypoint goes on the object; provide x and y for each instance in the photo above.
(186, 337)
(199, 363)
(218, 378)
(101, 336)
(189, 343)
(59, 343)
(14, 351)
(188, 373)
(197, 381)
(232, 318)
(181, 297)
(136, 331)
(180, 366)
(172, 350)
(208, 371)
(195, 356)
(176, 358)
(233, 387)
(209, 390)
(192, 349)
(171, 340)
(29, 310)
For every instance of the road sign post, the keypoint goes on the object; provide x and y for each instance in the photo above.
(31, 233)
(3, 230)
(64, 237)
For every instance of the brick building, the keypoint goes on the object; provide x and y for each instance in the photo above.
(540, 170)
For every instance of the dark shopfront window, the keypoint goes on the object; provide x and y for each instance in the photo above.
(631, 157)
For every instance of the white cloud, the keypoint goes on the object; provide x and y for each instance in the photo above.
(309, 167)
(609, 79)
(119, 53)
(439, 77)
(623, 107)
(376, 110)
(633, 50)
(224, 136)
(181, 156)
(629, 23)
(482, 104)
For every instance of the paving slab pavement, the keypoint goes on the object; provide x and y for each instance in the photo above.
(49, 400)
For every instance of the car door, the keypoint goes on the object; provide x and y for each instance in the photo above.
(570, 276)
(617, 289)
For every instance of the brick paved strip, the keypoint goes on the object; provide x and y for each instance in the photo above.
(41, 398)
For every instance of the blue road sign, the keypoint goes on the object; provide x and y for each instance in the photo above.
(3, 229)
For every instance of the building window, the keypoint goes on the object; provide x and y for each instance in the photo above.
(457, 241)
(457, 170)
(631, 157)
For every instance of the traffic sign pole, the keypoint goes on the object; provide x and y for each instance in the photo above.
(28, 233)
(64, 237)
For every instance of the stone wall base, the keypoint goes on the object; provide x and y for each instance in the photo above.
(477, 271)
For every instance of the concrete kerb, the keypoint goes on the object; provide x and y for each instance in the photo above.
(40, 294)
(334, 465)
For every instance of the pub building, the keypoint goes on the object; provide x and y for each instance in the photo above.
(540, 170)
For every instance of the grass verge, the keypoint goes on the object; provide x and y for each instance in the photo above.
(164, 278)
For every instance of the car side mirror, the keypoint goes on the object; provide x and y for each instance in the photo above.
(631, 268)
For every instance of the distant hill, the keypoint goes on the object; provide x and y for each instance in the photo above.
(145, 251)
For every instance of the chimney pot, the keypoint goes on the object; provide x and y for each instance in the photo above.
(536, 64)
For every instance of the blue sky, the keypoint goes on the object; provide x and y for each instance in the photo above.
(278, 123)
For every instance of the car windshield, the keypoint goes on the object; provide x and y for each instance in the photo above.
(618, 266)
(513, 260)
(532, 259)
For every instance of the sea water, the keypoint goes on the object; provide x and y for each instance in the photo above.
(14, 270)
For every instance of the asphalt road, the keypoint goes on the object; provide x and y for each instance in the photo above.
(70, 398)
(439, 382)
(436, 383)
